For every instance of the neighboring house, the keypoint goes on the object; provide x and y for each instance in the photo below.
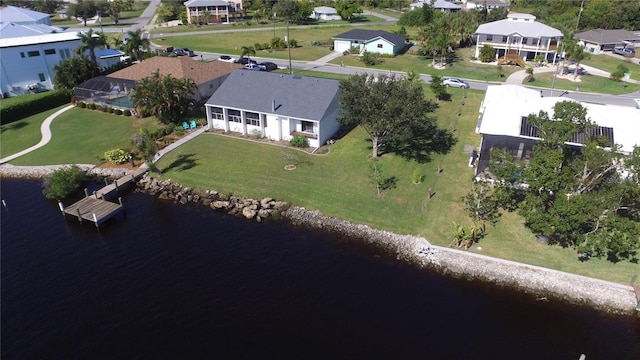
(109, 57)
(502, 122)
(114, 88)
(519, 36)
(374, 41)
(212, 11)
(485, 4)
(276, 106)
(29, 54)
(599, 40)
(442, 5)
(23, 16)
(325, 13)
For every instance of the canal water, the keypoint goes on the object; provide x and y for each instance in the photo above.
(169, 281)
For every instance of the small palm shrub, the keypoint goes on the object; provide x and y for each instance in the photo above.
(299, 141)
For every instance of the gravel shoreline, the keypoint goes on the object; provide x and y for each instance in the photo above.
(543, 283)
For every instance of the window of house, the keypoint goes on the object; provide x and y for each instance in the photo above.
(307, 126)
(41, 76)
(49, 51)
(525, 41)
(504, 39)
(489, 37)
(379, 46)
(217, 114)
(21, 54)
(234, 116)
(33, 53)
(252, 119)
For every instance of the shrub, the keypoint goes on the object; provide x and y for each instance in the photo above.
(127, 112)
(487, 53)
(110, 110)
(619, 73)
(299, 141)
(63, 182)
(256, 134)
(417, 177)
(258, 46)
(370, 59)
(116, 156)
(82, 104)
(32, 104)
(91, 106)
(116, 111)
(103, 108)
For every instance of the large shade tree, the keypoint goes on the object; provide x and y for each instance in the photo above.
(73, 71)
(577, 197)
(165, 97)
(393, 111)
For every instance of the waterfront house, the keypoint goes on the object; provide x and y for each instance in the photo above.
(114, 89)
(503, 122)
(275, 106)
(519, 36)
(373, 41)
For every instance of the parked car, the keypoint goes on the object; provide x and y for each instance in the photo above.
(183, 52)
(455, 82)
(253, 67)
(268, 66)
(624, 51)
(227, 58)
(245, 61)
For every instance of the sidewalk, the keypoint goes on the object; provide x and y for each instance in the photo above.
(192, 134)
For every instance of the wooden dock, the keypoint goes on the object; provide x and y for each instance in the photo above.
(95, 208)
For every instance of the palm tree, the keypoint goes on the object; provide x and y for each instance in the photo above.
(577, 54)
(247, 50)
(135, 44)
(91, 41)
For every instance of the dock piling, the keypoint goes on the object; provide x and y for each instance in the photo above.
(95, 220)
(60, 206)
(79, 215)
(86, 192)
(4, 204)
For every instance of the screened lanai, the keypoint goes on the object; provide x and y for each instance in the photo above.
(108, 91)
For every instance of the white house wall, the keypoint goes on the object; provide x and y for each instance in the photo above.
(380, 46)
(19, 70)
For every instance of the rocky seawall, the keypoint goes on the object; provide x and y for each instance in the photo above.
(542, 283)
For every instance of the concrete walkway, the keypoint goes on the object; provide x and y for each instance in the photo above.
(518, 77)
(192, 134)
(323, 60)
(45, 130)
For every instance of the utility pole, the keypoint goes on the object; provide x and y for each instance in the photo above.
(289, 46)
(274, 25)
(579, 13)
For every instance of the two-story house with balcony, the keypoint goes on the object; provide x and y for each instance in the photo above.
(212, 11)
(519, 37)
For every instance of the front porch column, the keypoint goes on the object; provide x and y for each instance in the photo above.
(477, 45)
(209, 117)
(243, 118)
(279, 129)
(263, 121)
(225, 113)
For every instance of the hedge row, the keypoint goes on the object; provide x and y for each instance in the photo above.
(32, 104)
(103, 108)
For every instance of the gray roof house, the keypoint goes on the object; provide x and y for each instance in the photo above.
(275, 106)
(442, 5)
(599, 40)
(519, 35)
(373, 41)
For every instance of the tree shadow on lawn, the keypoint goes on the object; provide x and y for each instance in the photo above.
(182, 163)
(16, 125)
(421, 145)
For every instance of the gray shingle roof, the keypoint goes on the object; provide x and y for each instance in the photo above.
(601, 36)
(506, 27)
(298, 97)
(366, 35)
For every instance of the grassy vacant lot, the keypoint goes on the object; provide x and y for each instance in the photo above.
(139, 7)
(231, 43)
(589, 83)
(459, 65)
(609, 64)
(80, 136)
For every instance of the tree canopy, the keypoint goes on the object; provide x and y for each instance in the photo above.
(73, 71)
(394, 112)
(90, 41)
(577, 196)
(165, 97)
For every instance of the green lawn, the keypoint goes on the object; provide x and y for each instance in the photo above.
(460, 65)
(589, 83)
(609, 64)
(19, 135)
(82, 136)
(125, 16)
